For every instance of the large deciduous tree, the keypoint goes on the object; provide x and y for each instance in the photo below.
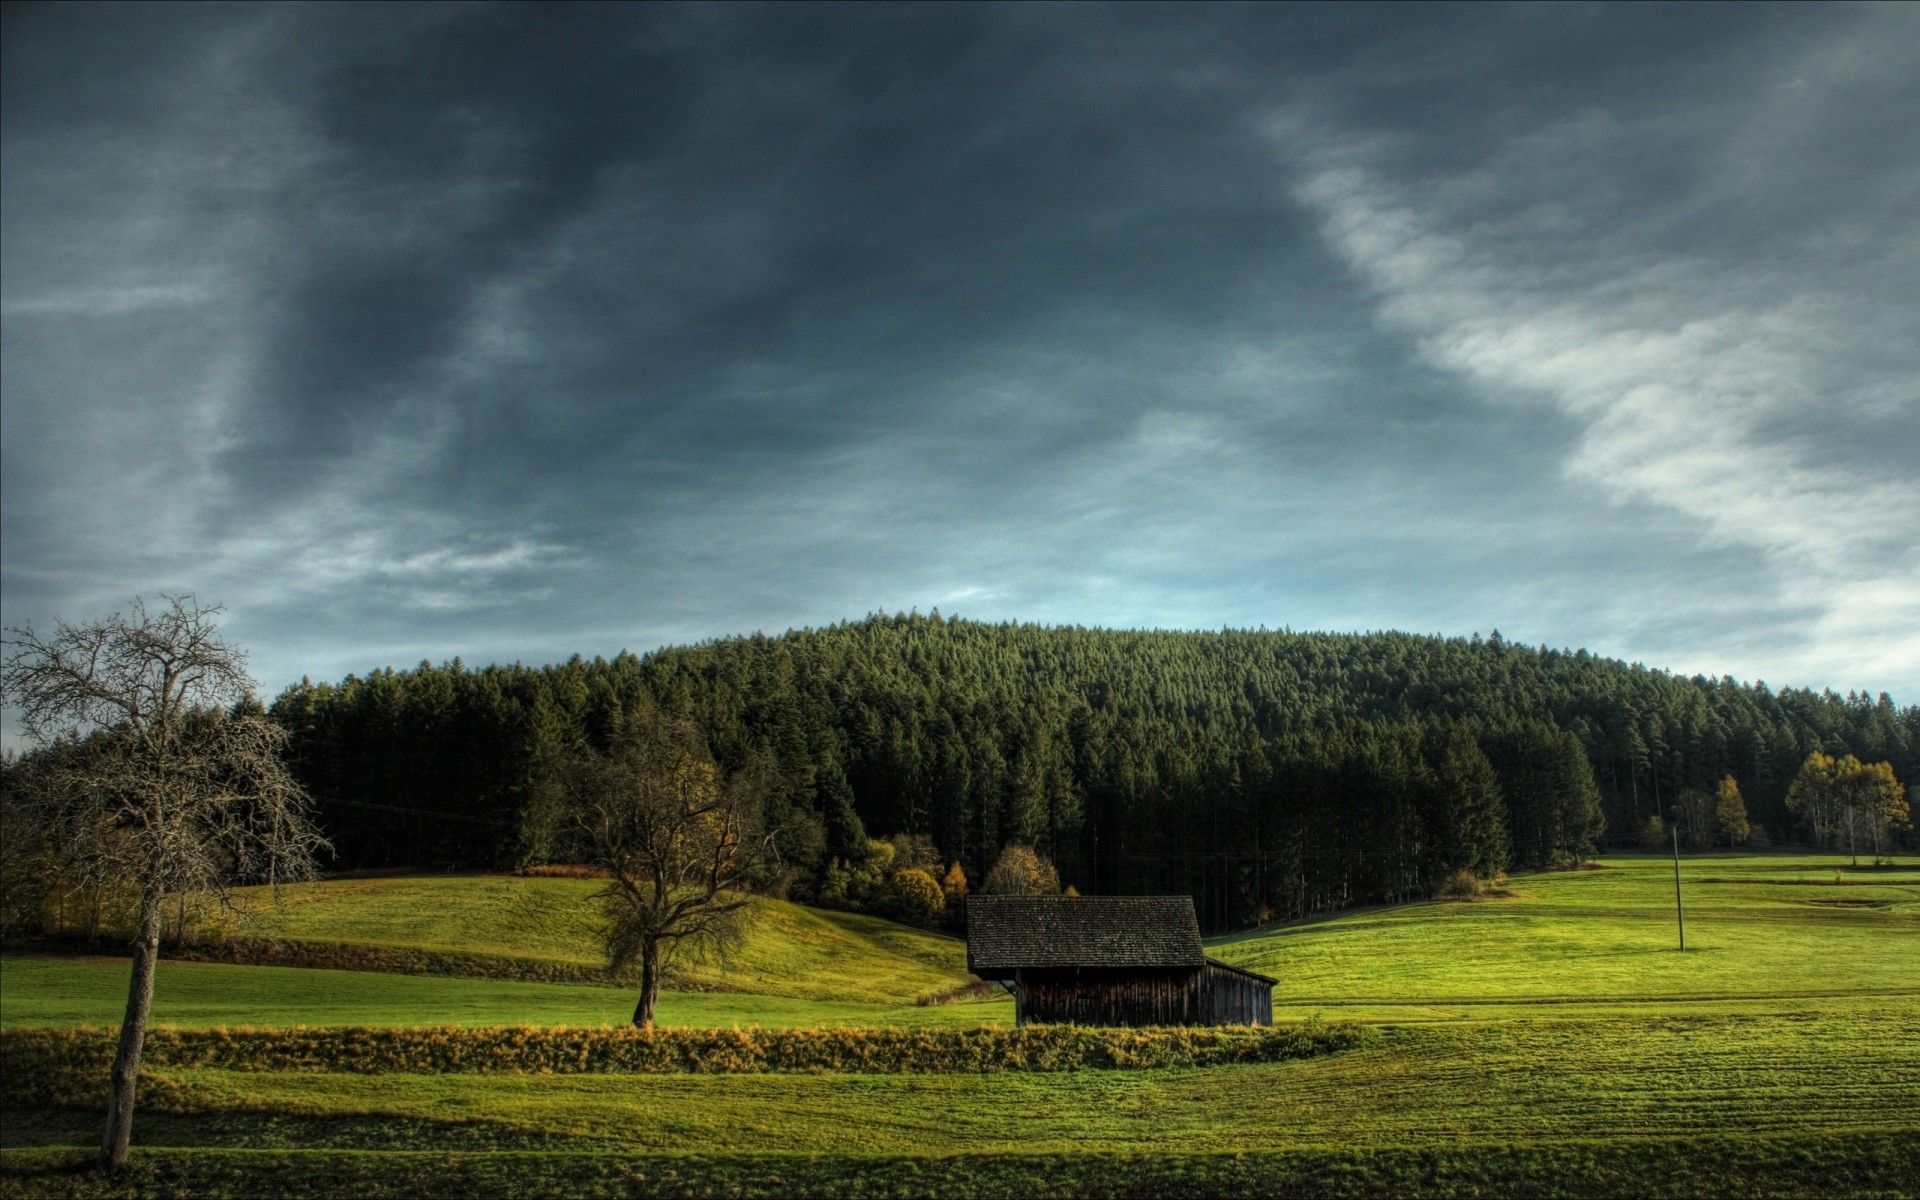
(160, 776)
(1815, 797)
(1874, 804)
(1846, 797)
(683, 844)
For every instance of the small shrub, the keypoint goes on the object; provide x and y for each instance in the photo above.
(1653, 835)
(1461, 885)
(978, 989)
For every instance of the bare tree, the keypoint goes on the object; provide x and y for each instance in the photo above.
(683, 845)
(164, 785)
(1693, 808)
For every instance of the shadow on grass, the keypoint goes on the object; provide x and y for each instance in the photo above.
(1866, 1164)
(80, 1129)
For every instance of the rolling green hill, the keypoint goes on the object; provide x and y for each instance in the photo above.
(1765, 933)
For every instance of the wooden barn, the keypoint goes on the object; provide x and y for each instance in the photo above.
(1109, 960)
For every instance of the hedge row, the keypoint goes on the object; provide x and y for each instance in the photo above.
(50, 1054)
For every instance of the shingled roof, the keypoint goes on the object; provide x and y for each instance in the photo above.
(1009, 933)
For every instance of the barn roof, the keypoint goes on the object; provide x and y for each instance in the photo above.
(1008, 933)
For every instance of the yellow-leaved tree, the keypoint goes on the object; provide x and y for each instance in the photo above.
(1730, 811)
(1849, 802)
(1022, 872)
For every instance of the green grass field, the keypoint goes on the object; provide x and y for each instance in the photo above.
(1532, 1080)
(1550, 1043)
(1760, 929)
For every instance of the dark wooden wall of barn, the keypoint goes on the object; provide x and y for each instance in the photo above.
(1111, 996)
(1116, 996)
(1231, 998)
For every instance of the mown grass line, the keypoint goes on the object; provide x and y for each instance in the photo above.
(1860, 1165)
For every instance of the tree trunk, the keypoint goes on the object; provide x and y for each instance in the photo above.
(649, 984)
(133, 1034)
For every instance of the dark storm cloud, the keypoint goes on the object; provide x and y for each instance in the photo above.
(509, 331)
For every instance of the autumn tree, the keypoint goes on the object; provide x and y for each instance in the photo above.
(954, 884)
(915, 897)
(1730, 811)
(159, 777)
(915, 851)
(1844, 797)
(1021, 872)
(1814, 796)
(683, 845)
(1871, 803)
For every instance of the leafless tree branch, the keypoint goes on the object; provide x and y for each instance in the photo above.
(150, 777)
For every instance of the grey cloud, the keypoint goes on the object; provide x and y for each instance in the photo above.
(416, 331)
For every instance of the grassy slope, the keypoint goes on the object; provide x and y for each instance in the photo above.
(792, 951)
(66, 992)
(796, 966)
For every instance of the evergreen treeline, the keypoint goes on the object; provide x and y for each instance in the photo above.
(1269, 773)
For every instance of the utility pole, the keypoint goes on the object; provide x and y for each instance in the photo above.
(1679, 909)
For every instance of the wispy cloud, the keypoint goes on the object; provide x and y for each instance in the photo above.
(1741, 385)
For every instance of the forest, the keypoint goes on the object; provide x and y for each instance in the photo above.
(1270, 774)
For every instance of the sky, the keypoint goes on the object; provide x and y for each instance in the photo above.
(518, 332)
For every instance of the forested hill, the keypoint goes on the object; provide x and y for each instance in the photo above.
(1282, 770)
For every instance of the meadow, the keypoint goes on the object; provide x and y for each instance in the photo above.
(1553, 1042)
